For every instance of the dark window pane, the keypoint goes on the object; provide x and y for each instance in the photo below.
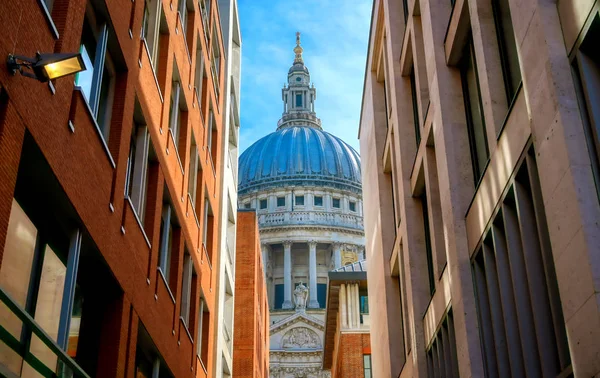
(278, 296)
(336, 203)
(352, 206)
(298, 101)
(318, 201)
(263, 203)
(475, 122)
(415, 105)
(300, 200)
(508, 48)
(322, 295)
(428, 243)
(280, 201)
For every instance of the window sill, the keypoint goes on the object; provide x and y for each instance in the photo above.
(139, 222)
(176, 150)
(49, 20)
(162, 100)
(97, 128)
(160, 273)
(187, 331)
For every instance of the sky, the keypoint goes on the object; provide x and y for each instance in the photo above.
(334, 36)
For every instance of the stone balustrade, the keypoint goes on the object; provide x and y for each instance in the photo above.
(321, 218)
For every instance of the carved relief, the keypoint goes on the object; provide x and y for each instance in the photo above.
(301, 337)
(349, 257)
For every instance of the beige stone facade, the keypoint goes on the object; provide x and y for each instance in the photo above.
(479, 139)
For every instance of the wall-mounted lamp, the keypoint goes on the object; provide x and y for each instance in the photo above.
(46, 66)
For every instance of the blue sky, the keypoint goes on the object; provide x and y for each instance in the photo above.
(334, 37)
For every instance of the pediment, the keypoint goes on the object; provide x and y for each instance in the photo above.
(296, 320)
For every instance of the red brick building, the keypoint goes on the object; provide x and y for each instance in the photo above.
(251, 319)
(347, 351)
(108, 189)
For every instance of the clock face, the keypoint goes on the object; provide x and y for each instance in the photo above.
(298, 78)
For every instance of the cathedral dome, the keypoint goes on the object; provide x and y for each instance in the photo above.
(299, 155)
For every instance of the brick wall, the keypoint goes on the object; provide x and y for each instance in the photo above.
(350, 351)
(251, 322)
(93, 177)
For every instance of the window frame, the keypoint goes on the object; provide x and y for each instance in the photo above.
(320, 198)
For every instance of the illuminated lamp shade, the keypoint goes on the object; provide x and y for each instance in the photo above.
(53, 66)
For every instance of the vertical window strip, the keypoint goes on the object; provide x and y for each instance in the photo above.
(441, 355)
(474, 113)
(415, 106)
(521, 322)
(509, 58)
(427, 234)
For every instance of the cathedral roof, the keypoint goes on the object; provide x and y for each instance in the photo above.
(299, 154)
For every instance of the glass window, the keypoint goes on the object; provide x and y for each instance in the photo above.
(322, 294)
(194, 171)
(367, 365)
(352, 206)
(428, 251)
(175, 113)
(247, 205)
(83, 79)
(186, 288)
(336, 203)
(300, 200)
(280, 201)
(586, 67)
(298, 100)
(199, 73)
(279, 290)
(474, 113)
(151, 24)
(263, 203)
(318, 201)
(508, 48)
(167, 228)
(137, 168)
(415, 106)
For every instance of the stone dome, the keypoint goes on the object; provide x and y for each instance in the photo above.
(299, 155)
(298, 67)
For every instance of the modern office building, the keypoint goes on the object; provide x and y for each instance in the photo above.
(347, 344)
(479, 142)
(251, 341)
(110, 189)
(304, 184)
(232, 43)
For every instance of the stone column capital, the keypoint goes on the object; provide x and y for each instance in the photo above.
(287, 243)
(265, 246)
(312, 244)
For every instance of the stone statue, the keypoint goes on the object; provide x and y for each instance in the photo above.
(300, 297)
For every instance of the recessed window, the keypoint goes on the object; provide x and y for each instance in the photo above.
(474, 112)
(168, 229)
(318, 201)
(367, 365)
(508, 48)
(97, 88)
(280, 201)
(300, 200)
(298, 100)
(335, 202)
(352, 206)
(188, 288)
(137, 164)
(263, 204)
(415, 106)
(247, 205)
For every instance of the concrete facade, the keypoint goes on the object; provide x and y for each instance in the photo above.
(479, 134)
(232, 41)
(251, 341)
(116, 182)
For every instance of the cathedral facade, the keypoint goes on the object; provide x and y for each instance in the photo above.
(305, 185)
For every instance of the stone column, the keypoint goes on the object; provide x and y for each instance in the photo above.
(287, 275)
(343, 306)
(349, 302)
(312, 273)
(265, 258)
(337, 255)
